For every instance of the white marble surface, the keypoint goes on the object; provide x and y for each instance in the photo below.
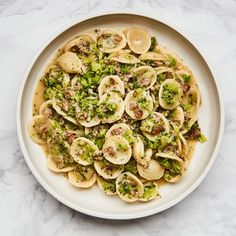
(26, 209)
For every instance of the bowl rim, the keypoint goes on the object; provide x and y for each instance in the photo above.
(85, 210)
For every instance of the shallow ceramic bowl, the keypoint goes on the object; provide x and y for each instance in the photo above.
(93, 201)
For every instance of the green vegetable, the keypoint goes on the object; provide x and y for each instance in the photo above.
(202, 138)
(131, 166)
(71, 111)
(164, 141)
(109, 185)
(147, 125)
(83, 172)
(100, 138)
(88, 152)
(172, 167)
(125, 68)
(128, 135)
(161, 78)
(125, 188)
(195, 133)
(186, 78)
(144, 103)
(96, 67)
(152, 144)
(149, 191)
(172, 61)
(108, 70)
(153, 43)
(186, 107)
(105, 110)
(59, 153)
(89, 79)
(169, 91)
(123, 147)
(171, 87)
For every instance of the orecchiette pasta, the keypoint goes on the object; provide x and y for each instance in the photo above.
(119, 109)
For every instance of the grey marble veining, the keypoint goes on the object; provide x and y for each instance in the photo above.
(25, 207)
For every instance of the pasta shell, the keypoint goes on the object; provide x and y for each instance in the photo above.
(145, 76)
(182, 163)
(191, 103)
(107, 169)
(53, 166)
(117, 129)
(82, 176)
(83, 151)
(111, 99)
(150, 191)
(134, 190)
(185, 71)
(90, 123)
(152, 56)
(152, 172)
(80, 44)
(111, 83)
(177, 117)
(153, 126)
(37, 129)
(108, 186)
(139, 40)
(117, 150)
(59, 159)
(111, 40)
(70, 63)
(124, 57)
(58, 109)
(170, 94)
(139, 154)
(44, 106)
(56, 72)
(184, 145)
(138, 105)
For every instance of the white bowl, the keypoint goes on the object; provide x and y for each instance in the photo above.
(93, 201)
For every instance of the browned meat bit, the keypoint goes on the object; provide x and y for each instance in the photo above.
(69, 93)
(194, 134)
(64, 105)
(168, 75)
(170, 148)
(108, 169)
(105, 36)
(70, 137)
(133, 106)
(47, 113)
(185, 87)
(112, 81)
(127, 77)
(83, 116)
(144, 82)
(138, 113)
(157, 63)
(110, 151)
(117, 38)
(98, 156)
(81, 47)
(43, 129)
(157, 129)
(117, 131)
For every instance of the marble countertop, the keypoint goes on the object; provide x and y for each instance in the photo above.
(25, 207)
